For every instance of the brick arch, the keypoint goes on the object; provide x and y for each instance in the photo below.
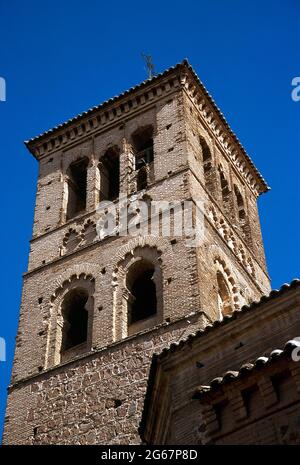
(88, 223)
(88, 232)
(139, 241)
(69, 233)
(74, 281)
(70, 243)
(232, 242)
(66, 282)
(84, 270)
(138, 250)
(242, 255)
(235, 245)
(110, 146)
(76, 156)
(223, 229)
(205, 145)
(250, 266)
(140, 130)
(221, 267)
(212, 214)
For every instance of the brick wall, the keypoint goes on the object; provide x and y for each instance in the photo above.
(80, 401)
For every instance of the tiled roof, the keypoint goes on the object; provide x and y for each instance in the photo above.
(184, 64)
(236, 314)
(227, 319)
(106, 103)
(247, 368)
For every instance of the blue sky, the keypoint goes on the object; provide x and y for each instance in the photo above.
(61, 57)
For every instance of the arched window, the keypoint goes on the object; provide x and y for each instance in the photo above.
(109, 168)
(142, 301)
(224, 297)
(77, 186)
(75, 319)
(240, 204)
(71, 321)
(206, 154)
(207, 164)
(224, 187)
(142, 142)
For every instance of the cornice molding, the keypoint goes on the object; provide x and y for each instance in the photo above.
(223, 134)
(181, 76)
(110, 112)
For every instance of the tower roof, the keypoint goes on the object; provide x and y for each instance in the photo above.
(183, 69)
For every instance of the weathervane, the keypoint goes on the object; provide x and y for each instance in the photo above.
(149, 65)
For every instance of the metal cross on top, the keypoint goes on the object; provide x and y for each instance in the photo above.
(149, 65)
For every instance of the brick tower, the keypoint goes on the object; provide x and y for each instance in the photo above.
(94, 310)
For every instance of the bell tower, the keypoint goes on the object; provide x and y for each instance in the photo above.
(95, 307)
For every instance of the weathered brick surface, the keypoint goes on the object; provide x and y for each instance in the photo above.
(78, 403)
(75, 402)
(272, 412)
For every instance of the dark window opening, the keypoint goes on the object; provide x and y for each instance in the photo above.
(222, 412)
(77, 184)
(240, 204)
(282, 384)
(252, 400)
(141, 179)
(207, 168)
(144, 154)
(206, 155)
(207, 164)
(224, 186)
(109, 167)
(142, 300)
(75, 319)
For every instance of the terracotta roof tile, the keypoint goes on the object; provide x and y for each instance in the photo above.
(183, 64)
(246, 368)
(210, 327)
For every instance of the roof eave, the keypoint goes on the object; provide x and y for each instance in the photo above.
(184, 65)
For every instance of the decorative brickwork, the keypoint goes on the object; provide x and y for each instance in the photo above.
(163, 140)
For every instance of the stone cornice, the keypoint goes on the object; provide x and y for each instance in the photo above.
(113, 110)
(105, 114)
(216, 122)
